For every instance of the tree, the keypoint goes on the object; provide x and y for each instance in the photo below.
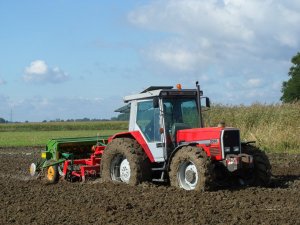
(2, 120)
(291, 88)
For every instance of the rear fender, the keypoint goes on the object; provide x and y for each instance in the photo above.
(139, 138)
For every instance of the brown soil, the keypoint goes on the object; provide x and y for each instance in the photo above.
(28, 201)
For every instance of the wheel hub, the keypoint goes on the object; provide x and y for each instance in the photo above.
(125, 171)
(190, 176)
(50, 173)
(187, 175)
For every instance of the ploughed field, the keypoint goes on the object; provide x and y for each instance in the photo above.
(28, 201)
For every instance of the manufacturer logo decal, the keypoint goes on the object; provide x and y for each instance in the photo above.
(214, 141)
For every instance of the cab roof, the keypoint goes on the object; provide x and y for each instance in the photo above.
(153, 88)
(155, 91)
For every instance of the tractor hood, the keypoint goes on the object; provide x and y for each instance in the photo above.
(216, 141)
(202, 135)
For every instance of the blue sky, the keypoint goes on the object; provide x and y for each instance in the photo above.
(75, 59)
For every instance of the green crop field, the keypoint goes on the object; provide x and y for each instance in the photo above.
(275, 128)
(37, 134)
(64, 126)
(40, 138)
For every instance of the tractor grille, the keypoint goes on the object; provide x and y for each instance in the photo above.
(231, 142)
(214, 151)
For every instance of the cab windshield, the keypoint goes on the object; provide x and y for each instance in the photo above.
(181, 112)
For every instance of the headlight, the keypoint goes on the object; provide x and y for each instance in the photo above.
(236, 149)
(227, 149)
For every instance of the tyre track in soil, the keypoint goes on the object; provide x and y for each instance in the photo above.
(28, 201)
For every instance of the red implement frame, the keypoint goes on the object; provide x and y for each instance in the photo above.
(88, 167)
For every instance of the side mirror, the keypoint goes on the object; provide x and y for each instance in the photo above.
(155, 102)
(207, 102)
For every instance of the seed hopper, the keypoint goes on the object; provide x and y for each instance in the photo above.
(71, 158)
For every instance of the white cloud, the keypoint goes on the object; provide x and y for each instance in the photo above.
(177, 59)
(288, 39)
(37, 67)
(254, 82)
(243, 27)
(39, 72)
(227, 40)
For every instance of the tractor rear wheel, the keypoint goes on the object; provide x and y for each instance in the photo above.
(260, 175)
(190, 169)
(52, 174)
(124, 160)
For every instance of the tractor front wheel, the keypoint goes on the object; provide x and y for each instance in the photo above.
(190, 169)
(125, 161)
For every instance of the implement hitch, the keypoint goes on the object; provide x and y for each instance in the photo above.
(79, 169)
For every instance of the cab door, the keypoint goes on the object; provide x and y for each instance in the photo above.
(148, 122)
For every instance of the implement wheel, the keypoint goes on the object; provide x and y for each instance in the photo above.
(52, 174)
(190, 169)
(125, 161)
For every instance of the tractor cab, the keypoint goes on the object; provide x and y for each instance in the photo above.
(159, 112)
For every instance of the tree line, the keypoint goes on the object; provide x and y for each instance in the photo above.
(2, 120)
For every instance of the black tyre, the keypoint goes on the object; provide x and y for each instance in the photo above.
(124, 160)
(260, 174)
(190, 169)
(51, 174)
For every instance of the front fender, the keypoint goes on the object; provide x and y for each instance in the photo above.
(176, 150)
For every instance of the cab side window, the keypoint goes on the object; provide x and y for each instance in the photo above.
(148, 120)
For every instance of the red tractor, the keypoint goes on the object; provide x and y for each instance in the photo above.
(167, 141)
